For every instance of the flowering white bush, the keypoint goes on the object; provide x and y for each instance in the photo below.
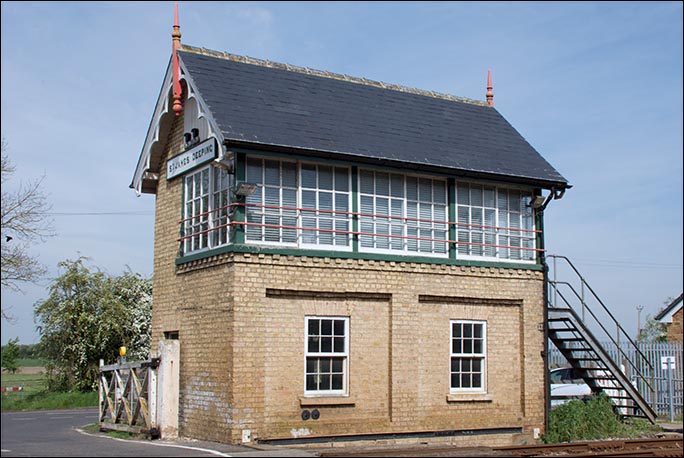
(87, 317)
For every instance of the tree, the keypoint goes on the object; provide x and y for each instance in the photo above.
(10, 353)
(87, 317)
(654, 330)
(23, 222)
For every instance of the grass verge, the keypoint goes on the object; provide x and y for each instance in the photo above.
(44, 400)
(593, 420)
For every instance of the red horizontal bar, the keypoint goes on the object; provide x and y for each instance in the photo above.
(371, 234)
(370, 215)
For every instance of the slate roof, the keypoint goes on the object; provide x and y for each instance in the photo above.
(256, 103)
(671, 306)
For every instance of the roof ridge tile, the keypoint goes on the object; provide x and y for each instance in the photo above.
(327, 74)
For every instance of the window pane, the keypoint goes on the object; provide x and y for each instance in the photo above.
(367, 182)
(411, 188)
(455, 381)
(456, 329)
(424, 190)
(502, 200)
(308, 201)
(325, 177)
(325, 382)
(308, 232)
(337, 365)
(489, 197)
(477, 330)
(382, 184)
(477, 346)
(339, 345)
(477, 381)
(341, 179)
(325, 237)
(341, 204)
(325, 365)
(337, 381)
(325, 200)
(339, 327)
(254, 170)
(477, 365)
(308, 176)
(397, 185)
(514, 201)
(289, 174)
(272, 173)
(311, 382)
(326, 344)
(326, 327)
(439, 191)
(382, 206)
(455, 365)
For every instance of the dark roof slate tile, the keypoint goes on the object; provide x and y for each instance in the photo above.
(264, 105)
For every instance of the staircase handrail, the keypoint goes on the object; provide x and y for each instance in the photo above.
(602, 305)
(618, 375)
(619, 348)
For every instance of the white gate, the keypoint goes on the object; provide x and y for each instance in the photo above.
(128, 397)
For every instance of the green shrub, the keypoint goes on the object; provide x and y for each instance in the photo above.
(592, 420)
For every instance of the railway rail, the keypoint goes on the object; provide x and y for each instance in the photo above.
(658, 447)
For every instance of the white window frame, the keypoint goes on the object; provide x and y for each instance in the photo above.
(263, 212)
(299, 214)
(501, 254)
(482, 356)
(210, 217)
(332, 354)
(402, 219)
(322, 215)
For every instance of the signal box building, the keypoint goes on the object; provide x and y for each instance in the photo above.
(343, 258)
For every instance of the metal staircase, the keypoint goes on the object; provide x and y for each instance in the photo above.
(622, 381)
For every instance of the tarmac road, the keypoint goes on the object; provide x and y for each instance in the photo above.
(60, 433)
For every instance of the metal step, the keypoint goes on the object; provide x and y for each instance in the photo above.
(575, 332)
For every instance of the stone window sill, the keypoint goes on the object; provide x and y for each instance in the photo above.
(469, 397)
(326, 401)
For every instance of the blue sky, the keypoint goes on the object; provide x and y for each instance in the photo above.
(595, 87)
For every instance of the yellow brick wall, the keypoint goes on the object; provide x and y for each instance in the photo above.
(399, 346)
(674, 329)
(240, 319)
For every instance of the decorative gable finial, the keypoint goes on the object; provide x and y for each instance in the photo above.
(176, 35)
(490, 94)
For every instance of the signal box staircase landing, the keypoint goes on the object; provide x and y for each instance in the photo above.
(569, 331)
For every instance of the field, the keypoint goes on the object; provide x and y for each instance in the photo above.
(30, 378)
(33, 395)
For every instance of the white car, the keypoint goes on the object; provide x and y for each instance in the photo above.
(566, 385)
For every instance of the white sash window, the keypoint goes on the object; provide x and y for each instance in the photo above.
(205, 214)
(468, 356)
